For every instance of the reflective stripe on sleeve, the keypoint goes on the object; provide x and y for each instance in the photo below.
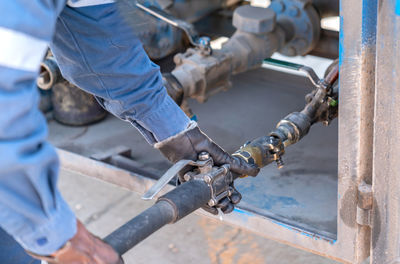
(20, 51)
(83, 3)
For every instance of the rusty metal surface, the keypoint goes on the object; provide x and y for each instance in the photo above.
(385, 244)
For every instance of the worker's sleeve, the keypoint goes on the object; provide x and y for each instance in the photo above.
(97, 51)
(31, 207)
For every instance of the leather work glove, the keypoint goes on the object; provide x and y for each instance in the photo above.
(83, 248)
(189, 143)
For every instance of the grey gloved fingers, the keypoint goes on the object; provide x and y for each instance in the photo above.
(189, 143)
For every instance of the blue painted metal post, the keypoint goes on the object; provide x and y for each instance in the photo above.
(357, 86)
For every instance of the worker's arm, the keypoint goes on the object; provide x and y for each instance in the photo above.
(31, 207)
(97, 51)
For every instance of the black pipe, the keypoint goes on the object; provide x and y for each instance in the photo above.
(187, 198)
(140, 227)
(169, 208)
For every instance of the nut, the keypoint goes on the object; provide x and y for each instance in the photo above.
(252, 19)
(203, 156)
(212, 202)
(207, 179)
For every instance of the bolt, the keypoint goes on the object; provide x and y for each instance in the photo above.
(203, 156)
(186, 177)
(212, 202)
(204, 41)
(279, 163)
(207, 179)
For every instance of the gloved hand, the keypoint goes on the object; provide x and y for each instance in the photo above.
(189, 143)
(83, 248)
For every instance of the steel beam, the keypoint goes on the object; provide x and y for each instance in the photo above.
(357, 78)
(385, 246)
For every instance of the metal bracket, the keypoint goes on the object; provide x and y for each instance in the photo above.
(364, 204)
(213, 176)
(218, 179)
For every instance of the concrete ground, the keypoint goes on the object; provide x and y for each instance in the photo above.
(103, 207)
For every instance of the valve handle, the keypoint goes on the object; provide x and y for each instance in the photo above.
(310, 73)
(170, 174)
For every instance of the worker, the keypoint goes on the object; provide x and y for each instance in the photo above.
(98, 52)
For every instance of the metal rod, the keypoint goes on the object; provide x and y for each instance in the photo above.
(164, 17)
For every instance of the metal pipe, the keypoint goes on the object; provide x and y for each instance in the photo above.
(169, 208)
(264, 150)
(260, 33)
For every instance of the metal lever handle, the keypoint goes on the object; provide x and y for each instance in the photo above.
(200, 42)
(169, 175)
(310, 73)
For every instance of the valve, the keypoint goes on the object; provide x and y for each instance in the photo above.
(219, 180)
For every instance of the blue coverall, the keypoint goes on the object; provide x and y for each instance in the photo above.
(99, 53)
